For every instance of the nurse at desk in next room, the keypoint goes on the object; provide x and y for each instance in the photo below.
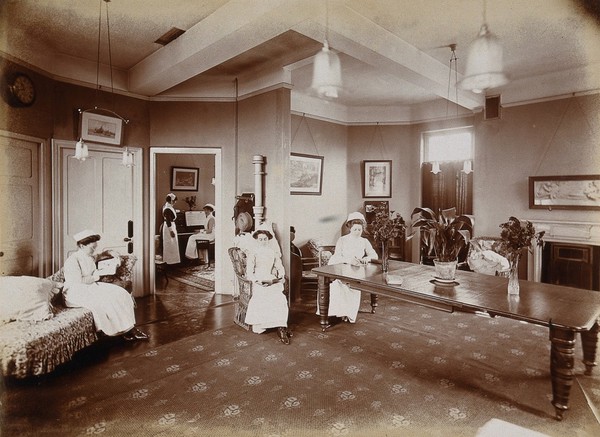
(208, 233)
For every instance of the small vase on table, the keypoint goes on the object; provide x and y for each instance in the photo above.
(385, 255)
(513, 273)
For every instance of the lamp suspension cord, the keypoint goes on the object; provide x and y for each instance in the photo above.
(453, 60)
(98, 52)
(112, 89)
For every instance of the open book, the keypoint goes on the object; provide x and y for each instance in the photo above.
(108, 267)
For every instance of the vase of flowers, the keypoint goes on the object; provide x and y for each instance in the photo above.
(517, 235)
(385, 227)
(191, 201)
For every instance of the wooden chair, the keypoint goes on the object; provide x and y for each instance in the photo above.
(243, 290)
(302, 277)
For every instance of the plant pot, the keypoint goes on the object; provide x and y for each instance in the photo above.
(445, 269)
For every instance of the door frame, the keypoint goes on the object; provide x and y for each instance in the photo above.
(153, 205)
(138, 217)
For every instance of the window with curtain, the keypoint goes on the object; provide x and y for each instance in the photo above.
(451, 187)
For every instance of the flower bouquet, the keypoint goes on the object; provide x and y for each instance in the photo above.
(517, 235)
(385, 227)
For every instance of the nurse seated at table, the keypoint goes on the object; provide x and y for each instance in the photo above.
(355, 250)
(208, 233)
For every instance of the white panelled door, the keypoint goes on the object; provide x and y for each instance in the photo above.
(103, 195)
(21, 236)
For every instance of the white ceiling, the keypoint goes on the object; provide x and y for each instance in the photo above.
(395, 53)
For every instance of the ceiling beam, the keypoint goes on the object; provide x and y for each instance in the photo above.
(232, 30)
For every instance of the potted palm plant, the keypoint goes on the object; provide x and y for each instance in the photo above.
(445, 234)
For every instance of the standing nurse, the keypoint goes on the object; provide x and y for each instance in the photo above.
(169, 231)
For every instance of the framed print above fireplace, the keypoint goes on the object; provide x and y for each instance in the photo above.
(564, 192)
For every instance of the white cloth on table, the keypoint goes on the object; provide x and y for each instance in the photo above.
(112, 306)
(268, 305)
(343, 300)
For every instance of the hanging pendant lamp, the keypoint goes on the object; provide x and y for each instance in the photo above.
(327, 73)
(327, 70)
(485, 65)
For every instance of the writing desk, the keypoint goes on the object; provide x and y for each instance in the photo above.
(564, 310)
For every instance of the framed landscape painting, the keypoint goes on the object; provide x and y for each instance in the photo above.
(101, 128)
(377, 179)
(184, 179)
(564, 192)
(306, 174)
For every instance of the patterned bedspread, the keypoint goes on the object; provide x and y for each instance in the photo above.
(35, 348)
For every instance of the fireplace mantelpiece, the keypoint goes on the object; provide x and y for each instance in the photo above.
(561, 232)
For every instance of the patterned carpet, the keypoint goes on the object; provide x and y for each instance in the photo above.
(404, 371)
(202, 277)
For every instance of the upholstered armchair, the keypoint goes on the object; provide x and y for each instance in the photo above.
(486, 255)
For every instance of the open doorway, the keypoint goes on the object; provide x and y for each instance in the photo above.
(193, 175)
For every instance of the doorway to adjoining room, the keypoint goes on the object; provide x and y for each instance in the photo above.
(192, 258)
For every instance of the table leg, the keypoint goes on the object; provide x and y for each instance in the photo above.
(324, 302)
(589, 342)
(374, 303)
(562, 352)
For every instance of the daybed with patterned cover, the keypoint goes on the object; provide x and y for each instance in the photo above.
(47, 333)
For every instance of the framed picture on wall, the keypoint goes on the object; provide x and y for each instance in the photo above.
(184, 179)
(306, 174)
(101, 128)
(564, 192)
(377, 178)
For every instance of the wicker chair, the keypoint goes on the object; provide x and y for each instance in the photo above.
(243, 291)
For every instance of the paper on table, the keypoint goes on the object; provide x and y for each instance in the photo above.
(393, 279)
(108, 266)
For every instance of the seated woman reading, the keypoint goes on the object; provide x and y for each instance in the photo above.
(355, 250)
(112, 306)
(268, 305)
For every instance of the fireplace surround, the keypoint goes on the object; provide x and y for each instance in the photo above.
(586, 234)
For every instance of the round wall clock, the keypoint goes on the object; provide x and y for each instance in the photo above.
(21, 90)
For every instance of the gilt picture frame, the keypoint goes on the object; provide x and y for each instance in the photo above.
(184, 178)
(377, 178)
(581, 192)
(306, 174)
(101, 128)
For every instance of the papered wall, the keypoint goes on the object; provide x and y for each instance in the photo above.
(559, 137)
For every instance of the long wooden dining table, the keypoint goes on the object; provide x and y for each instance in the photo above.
(566, 311)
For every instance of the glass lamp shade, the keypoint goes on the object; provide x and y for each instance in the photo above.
(484, 63)
(327, 73)
(435, 167)
(467, 167)
(81, 151)
(127, 158)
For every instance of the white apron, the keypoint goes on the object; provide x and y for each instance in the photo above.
(170, 244)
